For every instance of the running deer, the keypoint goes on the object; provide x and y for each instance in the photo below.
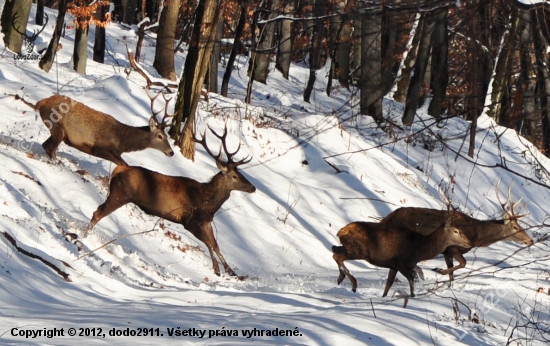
(179, 199)
(97, 133)
(395, 248)
(480, 233)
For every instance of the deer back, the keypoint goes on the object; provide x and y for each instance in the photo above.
(85, 128)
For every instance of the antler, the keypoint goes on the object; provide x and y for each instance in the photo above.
(35, 35)
(164, 122)
(224, 146)
(511, 214)
(15, 16)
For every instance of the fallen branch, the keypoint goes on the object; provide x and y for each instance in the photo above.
(31, 255)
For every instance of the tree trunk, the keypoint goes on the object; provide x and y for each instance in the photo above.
(413, 93)
(80, 52)
(372, 88)
(129, 8)
(337, 7)
(236, 47)
(15, 20)
(408, 64)
(356, 62)
(262, 52)
(39, 18)
(166, 34)
(343, 47)
(47, 60)
(528, 84)
(390, 30)
(194, 72)
(212, 83)
(99, 39)
(440, 68)
(543, 81)
(316, 47)
(284, 53)
(500, 80)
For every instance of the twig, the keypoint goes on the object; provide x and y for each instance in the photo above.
(112, 241)
(370, 199)
(372, 307)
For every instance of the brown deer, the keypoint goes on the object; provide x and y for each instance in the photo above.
(97, 133)
(179, 199)
(480, 233)
(392, 247)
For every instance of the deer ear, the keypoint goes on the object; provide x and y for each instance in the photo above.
(221, 167)
(153, 123)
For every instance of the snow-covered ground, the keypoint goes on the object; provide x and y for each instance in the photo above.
(316, 168)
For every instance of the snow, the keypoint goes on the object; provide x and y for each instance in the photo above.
(279, 237)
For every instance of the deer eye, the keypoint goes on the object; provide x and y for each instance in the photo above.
(160, 137)
(234, 176)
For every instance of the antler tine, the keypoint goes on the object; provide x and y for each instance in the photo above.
(224, 144)
(503, 205)
(43, 27)
(15, 16)
(153, 99)
(166, 116)
(202, 141)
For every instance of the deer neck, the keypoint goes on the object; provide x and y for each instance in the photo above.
(436, 242)
(489, 231)
(215, 193)
(135, 138)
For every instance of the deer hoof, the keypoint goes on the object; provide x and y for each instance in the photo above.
(437, 270)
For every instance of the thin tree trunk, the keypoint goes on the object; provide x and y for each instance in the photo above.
(166, 34)
(409, 63)
(334, 27)
(440, 69)
(413, 93)
(47, 59)
(129, 8)
(99, 39)
(343, 46)
(372, 88)
(141, 35)
(212, 83)
(263, 50)
(194, 72)
(39, 18)
(500, 80)
(236, 47)
(543, 81)
(80, 52)
(528, 84)
(356, 62)
(316, 47)
(284, 53)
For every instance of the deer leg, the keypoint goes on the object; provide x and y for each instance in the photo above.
(206, 235)
(389, 281)
(449, 260)
(408, 274)
(114, 201)
(51, 144)
(340, 256)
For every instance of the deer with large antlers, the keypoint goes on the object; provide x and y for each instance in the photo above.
(180, 199)
(481, 233)
(97, 133)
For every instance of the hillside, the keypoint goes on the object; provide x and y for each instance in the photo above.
(316, 168)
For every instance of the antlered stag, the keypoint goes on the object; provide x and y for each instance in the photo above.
(391, 247)
(179, 199)
(480, 233)
(97, 133)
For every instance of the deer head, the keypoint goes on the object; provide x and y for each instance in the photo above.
(158, 137)
(511, 219)
(29, 40)
(233, 179)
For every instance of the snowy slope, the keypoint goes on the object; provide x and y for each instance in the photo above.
(279, 237)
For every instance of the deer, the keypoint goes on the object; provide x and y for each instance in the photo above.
(180, 199)
(398, 249)
(481, 233)
(96, 133)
